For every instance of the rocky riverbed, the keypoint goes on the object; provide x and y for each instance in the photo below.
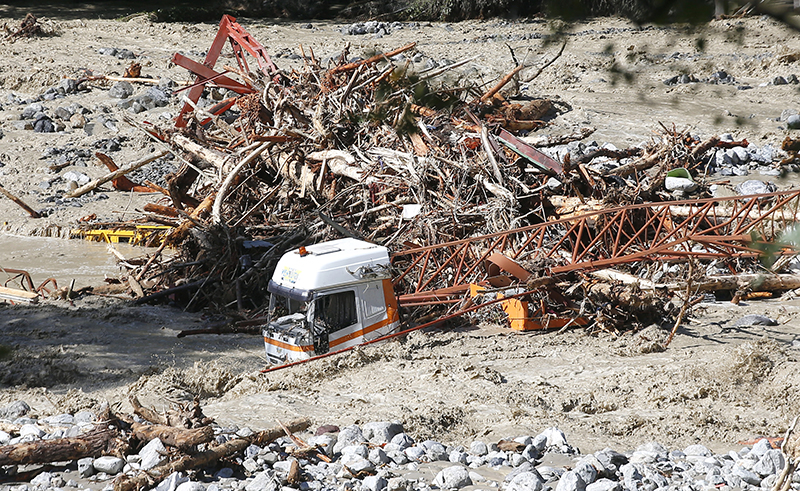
(381, 456)
(719, 382)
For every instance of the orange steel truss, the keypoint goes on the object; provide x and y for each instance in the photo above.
(713, 228)
(241, 42)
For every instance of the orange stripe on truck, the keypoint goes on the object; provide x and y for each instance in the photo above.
(290, 347)
(392, 315)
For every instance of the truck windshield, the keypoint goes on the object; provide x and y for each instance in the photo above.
(284, 309)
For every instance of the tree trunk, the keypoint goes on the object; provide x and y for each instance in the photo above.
(93, 444)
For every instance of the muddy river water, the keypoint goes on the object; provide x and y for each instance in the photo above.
(47, 257)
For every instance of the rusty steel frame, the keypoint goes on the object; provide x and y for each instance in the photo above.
(712, 228)
(241, 41)
(23, 278)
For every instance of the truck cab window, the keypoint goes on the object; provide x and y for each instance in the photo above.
(337, 310)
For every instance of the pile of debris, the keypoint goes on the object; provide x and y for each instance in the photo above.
(368, 148)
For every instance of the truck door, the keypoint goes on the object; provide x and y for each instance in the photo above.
(333, 312)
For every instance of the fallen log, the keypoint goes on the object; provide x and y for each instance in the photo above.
(213, 157)
(641, 164)
(177, 437)
(157, 474)
(120, 172)
(33, 213)
(92, 444)
(755, 281)
(166, 211)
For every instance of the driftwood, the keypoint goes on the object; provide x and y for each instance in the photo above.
(186, 417)
(93, 444)
(202, 459)
(177, 437)
(113, 175)
(641, 164)
(755, 282)
(179, 233)
(33, 213)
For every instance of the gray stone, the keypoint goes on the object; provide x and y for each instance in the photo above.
(31, 430)
(478, 448)
(172, 482)
(250, 465)
(121, 90)
(284, 466)
(540, 442)
(191, 486)
(549, 473)
(755, 320)
(374, 483)
(747, 476)
(378, 457)
(398, 457)
(697, 451)
(4, 438)
(793, 122)
(631, 475)
(779, 81)
(754, 186)
(85, 467)
(604, 484)
(349, 435)
(553, 184)
(522, 469)
(325, 442)
(251, 451)
(78, 177)
(762, 446)
(356, 463)
(457, 457)
(263, 481)
(454, 477)
(381, 432)
(224, 473)
(434, 450)
(680, 184)
(69, 85)
(43, 479)
(414, 453)
(62, 112)
(152, 454)
(154, 97)
(108, 464)
(571, 481)
(555, 437)
(44, 125)
(525, 481)
(32, 110)
(586, 472)
(402, 440)
(772, 462)
(360, 450)
(531, 453)
(125, 54)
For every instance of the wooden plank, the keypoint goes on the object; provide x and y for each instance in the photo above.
(15, 295)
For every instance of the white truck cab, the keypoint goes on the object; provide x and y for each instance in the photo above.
(327, 297)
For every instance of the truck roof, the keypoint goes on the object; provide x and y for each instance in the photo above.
(329, 264)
